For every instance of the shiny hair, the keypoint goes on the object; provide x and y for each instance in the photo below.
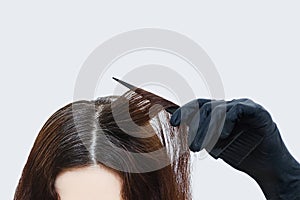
(128, 134)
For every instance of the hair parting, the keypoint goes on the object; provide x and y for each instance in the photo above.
(129, 134)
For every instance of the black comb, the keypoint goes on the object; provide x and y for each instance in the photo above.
(171, 106)
(233, 149)
(236, 147)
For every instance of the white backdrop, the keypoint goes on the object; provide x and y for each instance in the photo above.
(254, 46)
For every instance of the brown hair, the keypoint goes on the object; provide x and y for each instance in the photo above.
(120, 133)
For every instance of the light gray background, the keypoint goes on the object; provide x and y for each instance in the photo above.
(254, 45)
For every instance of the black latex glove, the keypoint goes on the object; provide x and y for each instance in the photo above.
(270, 163)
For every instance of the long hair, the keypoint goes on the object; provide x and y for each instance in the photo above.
(128, 134)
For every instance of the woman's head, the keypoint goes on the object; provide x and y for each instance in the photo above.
(124, 141)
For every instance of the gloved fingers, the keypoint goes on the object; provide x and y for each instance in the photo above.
(242, 111)
(204, 123)
(208, 119)
(187, 111)
(227, 128)
(216, 119)
(232, 115)
(220, 125)
(195, 138)
(223, 117)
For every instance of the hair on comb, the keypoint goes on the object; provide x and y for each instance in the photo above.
(169, 106)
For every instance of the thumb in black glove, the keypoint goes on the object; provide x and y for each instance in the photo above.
(270, 163)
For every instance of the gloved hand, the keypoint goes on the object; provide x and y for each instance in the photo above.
(270, 164)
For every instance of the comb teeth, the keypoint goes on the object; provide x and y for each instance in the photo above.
(238, 148)
(169, 106)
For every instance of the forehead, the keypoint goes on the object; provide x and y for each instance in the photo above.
(92, 183)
